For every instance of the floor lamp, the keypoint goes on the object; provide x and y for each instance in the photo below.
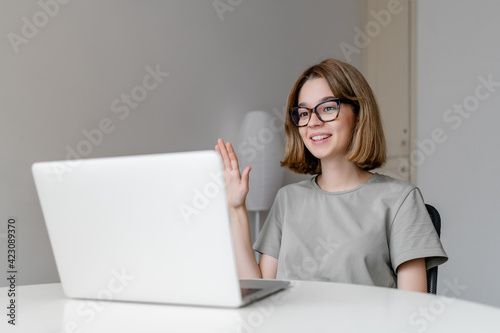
(261, 147)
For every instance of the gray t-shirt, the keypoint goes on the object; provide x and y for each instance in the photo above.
(357, 236)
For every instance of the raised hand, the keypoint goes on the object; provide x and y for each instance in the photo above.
(236, 183)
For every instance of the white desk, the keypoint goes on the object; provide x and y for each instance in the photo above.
(304, 307)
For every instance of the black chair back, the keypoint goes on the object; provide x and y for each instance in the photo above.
(432, 273)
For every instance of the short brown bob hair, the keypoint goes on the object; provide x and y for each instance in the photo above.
(367, 147)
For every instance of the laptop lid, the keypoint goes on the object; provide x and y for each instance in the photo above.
(150, 228)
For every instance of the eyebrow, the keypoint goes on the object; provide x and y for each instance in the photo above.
(320, 101)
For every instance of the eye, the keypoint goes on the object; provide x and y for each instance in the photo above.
(303, 113)
(329, 107)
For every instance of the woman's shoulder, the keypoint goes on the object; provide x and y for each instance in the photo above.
(388, 184)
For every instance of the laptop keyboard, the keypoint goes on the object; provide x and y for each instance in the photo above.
(248, 291)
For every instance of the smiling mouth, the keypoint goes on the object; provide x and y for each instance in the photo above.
(320, 137)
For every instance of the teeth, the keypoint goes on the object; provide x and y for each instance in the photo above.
(320, 137)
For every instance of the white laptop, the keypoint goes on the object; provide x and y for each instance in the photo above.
(147, 228)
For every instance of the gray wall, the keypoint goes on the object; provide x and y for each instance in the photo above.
(70, 75)
(65, 78)
(458, 48)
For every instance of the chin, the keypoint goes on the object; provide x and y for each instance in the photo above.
(326, 152)
(319, 154)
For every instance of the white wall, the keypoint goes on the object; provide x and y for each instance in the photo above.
(457, 47)
(386, 67)
(66, 76)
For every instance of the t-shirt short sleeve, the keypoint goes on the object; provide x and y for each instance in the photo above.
(269, 239)
(412, 234)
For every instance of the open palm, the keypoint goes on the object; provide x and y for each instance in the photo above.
(236, 183)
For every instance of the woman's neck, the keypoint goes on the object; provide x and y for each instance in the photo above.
(341, 176)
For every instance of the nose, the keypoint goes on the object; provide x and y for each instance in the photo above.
(314, 121)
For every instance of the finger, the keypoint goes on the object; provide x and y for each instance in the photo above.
(218, 151)
(225, 157)
(232, 156)
(246, 175)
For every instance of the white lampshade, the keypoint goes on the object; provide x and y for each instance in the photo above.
(261, 142)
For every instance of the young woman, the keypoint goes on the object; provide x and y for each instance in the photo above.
(344, 224)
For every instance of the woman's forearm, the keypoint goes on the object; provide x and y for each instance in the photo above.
(242, 243)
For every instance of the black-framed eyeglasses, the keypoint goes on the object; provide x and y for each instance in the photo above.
(325, 111)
